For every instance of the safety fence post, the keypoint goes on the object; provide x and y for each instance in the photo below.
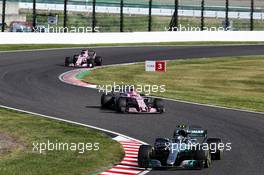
(121, 15)
(34, 14)
(93, 16)
(150, 16)
(252, 16)
(3, 15)
(202, 15)
(176, 12)
(65, 19)
(226, 14)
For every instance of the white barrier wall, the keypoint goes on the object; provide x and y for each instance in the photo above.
(138, 37)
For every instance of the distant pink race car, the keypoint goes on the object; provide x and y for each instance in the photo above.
(87, 58)
(131, 102)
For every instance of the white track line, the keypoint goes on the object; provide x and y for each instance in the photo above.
(72, 122)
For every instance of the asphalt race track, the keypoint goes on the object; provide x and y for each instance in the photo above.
(29, 81)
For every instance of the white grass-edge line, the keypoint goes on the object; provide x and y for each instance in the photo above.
(71, 122)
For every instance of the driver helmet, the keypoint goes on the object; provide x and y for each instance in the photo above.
(183, 133)
(132, 92)
(83, 53)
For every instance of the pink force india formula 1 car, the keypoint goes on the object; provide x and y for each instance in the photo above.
(131, 102)
(87, 58)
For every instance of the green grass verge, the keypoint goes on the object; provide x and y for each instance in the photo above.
(24, 129)
(13, 47)
(236, 82)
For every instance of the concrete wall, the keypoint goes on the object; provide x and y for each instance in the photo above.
(136, 37)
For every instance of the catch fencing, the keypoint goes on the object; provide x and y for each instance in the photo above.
(132, 15)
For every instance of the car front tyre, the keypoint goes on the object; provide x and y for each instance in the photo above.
(159, 105)
(106, 100)
(144, 156)
(98, 61)
(67, 61)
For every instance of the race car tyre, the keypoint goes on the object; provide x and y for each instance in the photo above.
(98, 61)
(90, 63)
(106, 100)
(75, 58)
(67, 61)
(158, 104)
(144, 156)
(213, 143)
(122, 105)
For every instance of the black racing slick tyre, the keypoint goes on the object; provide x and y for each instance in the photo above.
(122, 105)
(90, 63)
(144, 156)
(106, 101)
(67, 61)
(98, 61)
(74, 59)
(159, 105)
(213, 143)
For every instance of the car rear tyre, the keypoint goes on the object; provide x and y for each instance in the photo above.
(67, 61)
(144, 156)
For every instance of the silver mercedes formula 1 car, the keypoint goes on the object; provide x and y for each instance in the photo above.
(186, 150)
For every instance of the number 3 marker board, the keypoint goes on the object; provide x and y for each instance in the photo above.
(155, 66)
